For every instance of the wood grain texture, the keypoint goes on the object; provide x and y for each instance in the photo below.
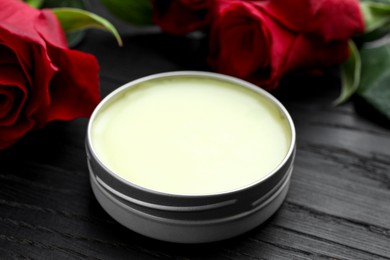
(338, 205)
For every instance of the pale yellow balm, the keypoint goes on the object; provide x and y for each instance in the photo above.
(191, 136)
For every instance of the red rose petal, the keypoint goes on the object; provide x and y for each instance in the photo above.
(243, 43)
(13, 93)
(47, 26)
(6, 102)
(16, 52)
(8, 97)
(8, 57)
(331, 20)
(18, 18)
(75, 86)
(310, 53)
(248, 40)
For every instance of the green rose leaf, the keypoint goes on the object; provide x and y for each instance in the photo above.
(35, 3)
(73, 19)
(375, 77)
(138, 12)
(350, 74)
(73, 38)
(377, 1)
(376, 19)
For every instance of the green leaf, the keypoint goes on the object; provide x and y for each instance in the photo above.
(350, 74)
(375, 77)
(377, 1)
(35, 3)
(138, 12)
(376, 34)
(73, 19)
(376, 15)
(73, 38)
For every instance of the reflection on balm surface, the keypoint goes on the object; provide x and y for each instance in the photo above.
(190, 136)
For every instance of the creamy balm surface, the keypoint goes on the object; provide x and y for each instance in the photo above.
(190, 136)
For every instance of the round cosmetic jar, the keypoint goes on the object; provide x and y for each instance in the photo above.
(203, 185)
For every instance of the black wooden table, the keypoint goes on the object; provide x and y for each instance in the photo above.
(338, 205)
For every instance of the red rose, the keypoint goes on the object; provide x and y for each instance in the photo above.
(261, 41)
(181, 16)
(41, 80)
